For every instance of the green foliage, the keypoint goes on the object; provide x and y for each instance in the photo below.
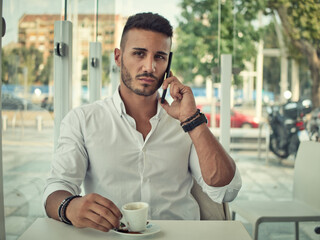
(19, 64)
(300, 21)
(84, 70)
(47, 72)
(303, 16)
(198, 43)
(9, 68)
(197, 50)
(105, 68)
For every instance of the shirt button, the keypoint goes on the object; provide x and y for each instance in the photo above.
(146, 180)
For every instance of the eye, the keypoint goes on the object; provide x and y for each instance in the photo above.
(158, 56)
(139, 53)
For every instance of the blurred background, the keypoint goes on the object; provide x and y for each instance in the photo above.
(275, 49)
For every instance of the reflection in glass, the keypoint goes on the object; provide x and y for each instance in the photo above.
(27, 80)
(27, 94)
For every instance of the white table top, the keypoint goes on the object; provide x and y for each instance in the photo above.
(49, 229)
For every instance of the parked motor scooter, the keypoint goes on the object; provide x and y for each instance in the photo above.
(287, 124)
(314, 125)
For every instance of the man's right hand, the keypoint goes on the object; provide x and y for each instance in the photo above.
(93, 211)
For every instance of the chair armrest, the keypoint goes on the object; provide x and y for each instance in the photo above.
(209, 210)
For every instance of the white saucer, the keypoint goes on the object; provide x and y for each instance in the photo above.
(151, 229)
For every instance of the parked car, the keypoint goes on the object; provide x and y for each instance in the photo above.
(238, 120)
(11, 102)
(47, 103)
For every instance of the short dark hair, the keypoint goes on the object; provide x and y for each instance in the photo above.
(147, 21)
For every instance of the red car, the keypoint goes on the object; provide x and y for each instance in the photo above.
(238, 120)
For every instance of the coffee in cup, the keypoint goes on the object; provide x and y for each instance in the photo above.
(135, 215)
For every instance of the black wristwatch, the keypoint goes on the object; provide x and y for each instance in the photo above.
(195, 123)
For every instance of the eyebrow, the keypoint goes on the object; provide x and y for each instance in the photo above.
(146, 50)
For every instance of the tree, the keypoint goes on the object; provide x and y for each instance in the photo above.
(47, 71)
(198, 35)
(198, 42)
(105, 68)
(300, 24)
(24, 62)
(9, 68)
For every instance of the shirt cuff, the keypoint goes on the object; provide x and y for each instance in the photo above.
(226, 193)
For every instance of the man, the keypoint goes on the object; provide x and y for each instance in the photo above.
(130, 147)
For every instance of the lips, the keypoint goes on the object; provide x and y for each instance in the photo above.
(146, 80)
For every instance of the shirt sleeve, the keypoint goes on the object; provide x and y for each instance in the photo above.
(70, 161)
(226, 193)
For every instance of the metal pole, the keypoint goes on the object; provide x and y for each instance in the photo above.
(259, 81)
(2, 218)
(219, 32)
(62, 73)
(295, 83)
(65, 10)
(95, 65)
(226, 75)
(95, 71)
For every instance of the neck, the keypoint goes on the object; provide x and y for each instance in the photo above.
(138, 106)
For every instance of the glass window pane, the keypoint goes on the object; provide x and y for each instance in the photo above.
(203, 30)
(27, 94)
(27, 109)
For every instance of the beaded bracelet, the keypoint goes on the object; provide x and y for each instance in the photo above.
(190, 118)
(63, 207)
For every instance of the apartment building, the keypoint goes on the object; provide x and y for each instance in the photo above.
(38, 30)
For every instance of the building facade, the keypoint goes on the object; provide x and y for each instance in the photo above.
(38, 30)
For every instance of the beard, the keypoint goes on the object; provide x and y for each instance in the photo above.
(146, 90)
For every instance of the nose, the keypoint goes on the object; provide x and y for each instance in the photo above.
(149, 65)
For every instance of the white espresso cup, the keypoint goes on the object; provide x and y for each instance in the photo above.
(135, 216)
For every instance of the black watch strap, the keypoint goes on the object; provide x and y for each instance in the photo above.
(195, 123)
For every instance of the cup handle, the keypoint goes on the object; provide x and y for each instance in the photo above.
(123, 222)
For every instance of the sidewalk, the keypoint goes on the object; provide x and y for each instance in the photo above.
(269, 182)
(27, 155)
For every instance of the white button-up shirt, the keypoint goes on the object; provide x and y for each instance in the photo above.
(100, 148)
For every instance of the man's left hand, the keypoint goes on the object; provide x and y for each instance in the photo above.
(184, 105)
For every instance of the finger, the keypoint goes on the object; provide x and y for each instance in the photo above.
(92, 224)
(100, 220)
(109, 205)
(107, 214)
(165, 83)
(175, 91)
(168, 80)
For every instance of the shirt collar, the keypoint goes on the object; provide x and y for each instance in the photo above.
(121, 109)
(118, 103)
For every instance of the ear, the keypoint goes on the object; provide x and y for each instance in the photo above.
(117, 56)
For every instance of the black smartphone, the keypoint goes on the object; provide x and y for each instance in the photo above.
(166, 75)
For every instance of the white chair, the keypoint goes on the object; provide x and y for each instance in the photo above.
(209, 210)
(305, 204)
